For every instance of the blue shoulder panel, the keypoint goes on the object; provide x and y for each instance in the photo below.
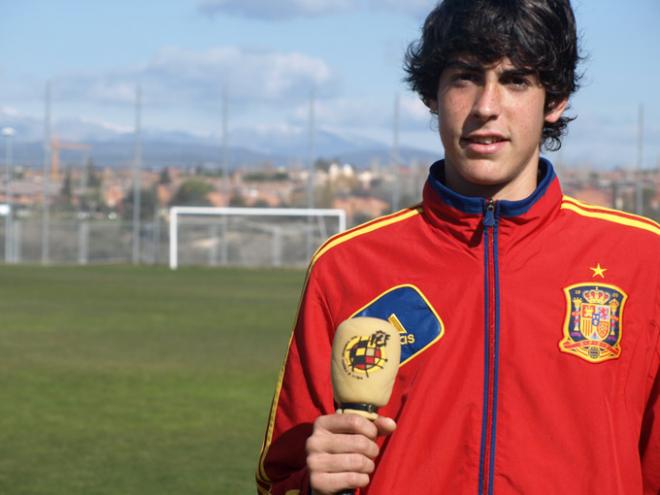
(413, 316)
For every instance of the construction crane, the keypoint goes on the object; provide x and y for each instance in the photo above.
(56, 145)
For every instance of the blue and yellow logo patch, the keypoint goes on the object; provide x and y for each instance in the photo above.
(593, 325)
(406, 308)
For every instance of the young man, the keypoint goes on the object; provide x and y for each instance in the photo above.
(529, 321)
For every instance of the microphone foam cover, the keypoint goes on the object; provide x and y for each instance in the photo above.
(365, 359)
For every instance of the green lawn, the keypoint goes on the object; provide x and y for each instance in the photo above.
(124, 380)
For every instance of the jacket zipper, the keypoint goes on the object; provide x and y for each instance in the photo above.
(491, 350)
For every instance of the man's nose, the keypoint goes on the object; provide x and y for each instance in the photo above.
(487, 103)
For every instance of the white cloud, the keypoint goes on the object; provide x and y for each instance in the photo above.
(274, 9)
(289, 9)
(10, 112)
(346, 112)
(176, 76)
(282, 128)
(117, 87)
(413, 111)
(249, 75)
(107, 126)
(417, 8)
(116, 91)
(360, 112)
(25, 126)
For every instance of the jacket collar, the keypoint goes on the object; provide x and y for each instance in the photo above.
(463, 215)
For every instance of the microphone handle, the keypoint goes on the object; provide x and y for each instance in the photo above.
(367, 410)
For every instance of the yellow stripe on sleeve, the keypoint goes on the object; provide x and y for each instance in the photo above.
(340, 239)
(613, 216)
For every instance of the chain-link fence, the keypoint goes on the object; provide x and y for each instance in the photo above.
(84, 241)
(251, 240)
(211, 241)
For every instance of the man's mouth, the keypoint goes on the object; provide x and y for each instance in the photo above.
(490, 139)
(484, 144)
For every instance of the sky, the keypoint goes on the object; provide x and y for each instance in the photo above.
(270, 56)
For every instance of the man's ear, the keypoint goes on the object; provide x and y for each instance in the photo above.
(554, 112)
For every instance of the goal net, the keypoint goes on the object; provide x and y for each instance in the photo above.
(249, 236)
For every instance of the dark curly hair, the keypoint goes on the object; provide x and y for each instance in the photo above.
(539, 35)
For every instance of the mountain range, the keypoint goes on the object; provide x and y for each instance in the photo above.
(111, 146)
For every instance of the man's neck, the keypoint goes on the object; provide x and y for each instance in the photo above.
(520, 188)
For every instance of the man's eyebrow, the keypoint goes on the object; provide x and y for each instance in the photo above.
(464, 65)
(459, 64)
(519, 71)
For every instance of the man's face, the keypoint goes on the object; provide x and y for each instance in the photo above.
(490, 120)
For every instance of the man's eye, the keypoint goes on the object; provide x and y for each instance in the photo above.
(518, 81)
(463, 77)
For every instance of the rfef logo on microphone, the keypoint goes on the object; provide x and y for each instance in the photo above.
(366, 354)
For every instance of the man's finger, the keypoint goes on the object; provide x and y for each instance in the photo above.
(347, 423)
(342, 444)
(334, 482)
(384, 425)
(340, 463)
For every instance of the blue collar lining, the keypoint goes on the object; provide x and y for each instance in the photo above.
(477, 205)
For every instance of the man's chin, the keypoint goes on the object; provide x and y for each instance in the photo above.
(482, 173)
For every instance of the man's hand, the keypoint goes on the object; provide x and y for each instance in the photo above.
(342, 449)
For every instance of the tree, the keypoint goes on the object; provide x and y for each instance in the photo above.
(147, 204)
(93, 176)
(91, 201)
(90, 198)
(236, 200)
(67, 188)
(192, 192)
(164, 177)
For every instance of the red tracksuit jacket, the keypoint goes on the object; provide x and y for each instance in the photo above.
(530, 354)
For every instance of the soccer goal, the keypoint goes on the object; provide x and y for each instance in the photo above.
(249, 236)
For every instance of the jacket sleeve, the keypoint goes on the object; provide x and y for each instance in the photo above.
(303, 392)
(650, 437)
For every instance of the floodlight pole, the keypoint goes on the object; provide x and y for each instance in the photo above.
(137, 164)
(225, 174)
(310, 171)
(395, 156)
(639, 190)
(8, 133)
(45, 218)
(83, 226)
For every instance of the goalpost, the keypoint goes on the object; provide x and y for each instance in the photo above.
(179, 211)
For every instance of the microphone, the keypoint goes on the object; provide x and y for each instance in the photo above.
(365, 360)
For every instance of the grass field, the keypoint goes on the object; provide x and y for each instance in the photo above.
(124, 380)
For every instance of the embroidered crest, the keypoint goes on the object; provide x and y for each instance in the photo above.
(593, 325)
(405, 307)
